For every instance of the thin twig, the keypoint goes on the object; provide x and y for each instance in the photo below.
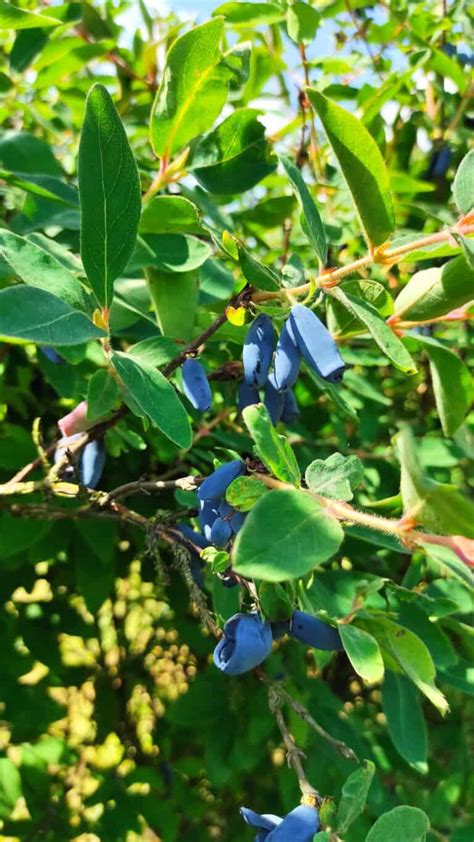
(293, 753)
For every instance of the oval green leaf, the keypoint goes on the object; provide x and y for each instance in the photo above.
(362, 166)
(155, 397)
(29, 314)
(286, 535)
(363, 652)
(109, 192)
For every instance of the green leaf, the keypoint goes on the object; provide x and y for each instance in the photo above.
(36, 267)
(45, 186)
(21, 152)
(235, 156)
(407, 823)
(363, 652)
(354, 795)
(170, 215)
(109, 190)
(250, 14)
(438, 507)
(28, 43)
(342, 322)
(450, 563)
(274, 601)
(175, 299)
(175, 252)
(286, 535)
(452, 384)
(101, 395)
(193, 89)
(10, 785)
(436, 291)
(273, 449)
(311, 222)
(404, 652)
(157, 350)
(29, 314)
(155, 397)
(302, 22)
(11, 17)
(335, 477)
(362, 166)
(255, 272)
(244, 492)
(463, 184)
(405, 721)
(381, 333)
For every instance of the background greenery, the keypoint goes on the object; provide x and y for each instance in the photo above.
(115, 725)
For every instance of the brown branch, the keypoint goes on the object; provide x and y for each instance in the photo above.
(293, 753)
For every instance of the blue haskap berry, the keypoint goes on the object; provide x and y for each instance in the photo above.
(225, 509)
(314, 632)
(258, 350)
(298, 826)
(196, 385)
(248, 395)
(91, 464)
(52, 355)
(246, 643)
(290, 408)
(237, 521)
(286, 363)
(440, 162)
(221, 532)
(193, 536)
(315, 343)
(207, 515)
(274, 401)
(215, 485)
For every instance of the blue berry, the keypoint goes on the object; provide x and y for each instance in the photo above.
(258, 350)
(215, 485)
(316, 343)
(286, 363)
(314, 632)
(196, 385)
(246, 643)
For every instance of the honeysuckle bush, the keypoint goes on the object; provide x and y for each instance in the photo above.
(167, 181)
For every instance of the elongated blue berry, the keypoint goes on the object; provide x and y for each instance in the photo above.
(193, 536)
(290, 408)
(274, 401)
(316, 343)
(246, 643)
(215, 486)
(298, 826)
(207, 515)
(91, 464)
(52, 355)
(225, 509)
(221, 532)
(258, 350)
(248, 395)
(237, 521)
(196, 385)
(286, 363)
(314, 632)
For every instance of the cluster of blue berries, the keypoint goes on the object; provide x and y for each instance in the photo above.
(303, 336)
(248, 639)
(219, 521)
